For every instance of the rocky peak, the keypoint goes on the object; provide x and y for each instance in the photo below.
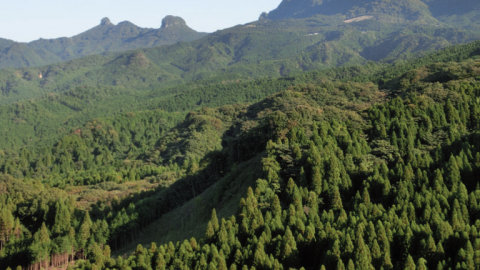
(106, 21)
(171, 21)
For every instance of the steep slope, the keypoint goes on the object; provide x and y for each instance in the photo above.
(104, 38)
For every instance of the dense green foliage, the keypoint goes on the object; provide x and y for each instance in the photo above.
(372, 166)
(379, 170)
(41, 122)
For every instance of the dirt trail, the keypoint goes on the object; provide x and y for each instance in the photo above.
(357, 19)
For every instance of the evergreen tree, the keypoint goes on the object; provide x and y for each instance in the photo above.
(84, 233)
(410, 264)
(317, 180)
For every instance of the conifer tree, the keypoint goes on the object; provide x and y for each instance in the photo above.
(376, 253)
(362, 254)
(387, 261)
(340, 265)
(422, 264)
(453, 177)
(349, 247)
(316, 180)
(62, 218)
(83, 235)
(336, 199)
(351, 265)
(41, 247)
(210, 232)
(410, 264)
(289, 247)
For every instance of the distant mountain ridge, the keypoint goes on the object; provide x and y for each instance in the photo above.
(259, 49)
(108, 38)
(105, 37)
(264, 48)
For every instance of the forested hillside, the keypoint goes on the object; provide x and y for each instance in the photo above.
(40, 122)
(372, 167)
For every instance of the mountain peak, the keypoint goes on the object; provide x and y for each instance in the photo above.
(170, 21)
(106, 21)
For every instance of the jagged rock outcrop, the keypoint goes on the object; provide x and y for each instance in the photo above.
(106, 22)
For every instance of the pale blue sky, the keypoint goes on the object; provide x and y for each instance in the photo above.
(27, 20)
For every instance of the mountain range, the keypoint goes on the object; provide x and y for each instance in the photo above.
(109, 38)
(261, 48)
(104, 38)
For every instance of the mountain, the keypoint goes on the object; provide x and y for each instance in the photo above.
(104, 38)
(461, 13)
(441, 15)
(400, 10)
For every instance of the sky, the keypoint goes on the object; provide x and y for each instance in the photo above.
(27, 20)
